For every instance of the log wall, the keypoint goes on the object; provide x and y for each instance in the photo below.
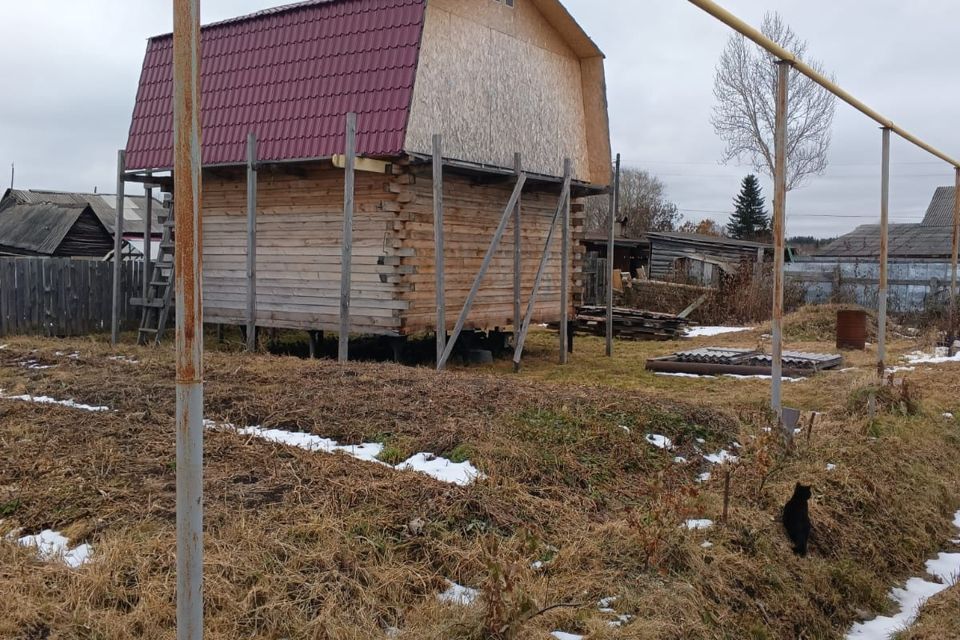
(299, 230)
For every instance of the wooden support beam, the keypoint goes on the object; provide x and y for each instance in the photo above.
(611, 250)
(118, 249)
(955, 254)
(251, 242)
(346, 257)
(884, 252)
(531, 304)
(438, 244)
(517, 253)
(494, 243)
(147, 240)
(565, 269)
(779, 225)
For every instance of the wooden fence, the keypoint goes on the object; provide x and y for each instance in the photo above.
(594, 280)
(64, 296)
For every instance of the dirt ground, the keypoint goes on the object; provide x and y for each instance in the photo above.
(576, 505)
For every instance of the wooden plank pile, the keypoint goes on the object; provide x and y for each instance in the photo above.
(631, 324)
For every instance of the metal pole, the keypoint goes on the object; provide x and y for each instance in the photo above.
(346, 257)
(440, 252)
(611, 250)
(118, 250)
(953, 260)
(13, 173)
(884, 252)
(147, 237)
(565, 268)
(779, 225)
(251, 242)
(517, 255)
(189, 305)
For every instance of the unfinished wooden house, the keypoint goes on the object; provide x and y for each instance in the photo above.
(493, 78)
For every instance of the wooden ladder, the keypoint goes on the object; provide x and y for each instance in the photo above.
(159, 300)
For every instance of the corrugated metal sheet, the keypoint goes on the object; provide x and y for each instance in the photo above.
(103, 205)
(37, 228)
(906, 241)
(290, 75)
(940, 211)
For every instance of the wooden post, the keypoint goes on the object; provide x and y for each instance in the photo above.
(251, 242)
(953, 261)
(779, 225)
(517, 254)
(462, 320)
(611, 250)
(118, 249)
(147, 238)
(565, 267)
(531, 304)
(884, 251)
(438, 243)
(346, 257)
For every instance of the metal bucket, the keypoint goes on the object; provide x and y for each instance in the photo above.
(852, 330)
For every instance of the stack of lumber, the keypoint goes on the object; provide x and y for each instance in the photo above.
(631, 324)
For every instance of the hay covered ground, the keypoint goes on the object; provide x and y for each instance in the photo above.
(576, 506)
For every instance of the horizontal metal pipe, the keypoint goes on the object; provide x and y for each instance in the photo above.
(742, 27)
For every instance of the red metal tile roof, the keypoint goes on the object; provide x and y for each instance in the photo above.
(290, 75)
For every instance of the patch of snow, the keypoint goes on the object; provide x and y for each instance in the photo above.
(458, 595)
(605, 603)
(760, 377)
(948, 416)
(621, 620)
(831, 467)
(699, 332)
(661, 442)
(721, 457)
(459, 473)
(680, 460)
(537, 565)
(35, 364)
(563, 635)
(310, 442)
(696, 525)
(890, 370)
(4, 346)
(940, 356)
(627, 429)
(684, 375)
(704, 477)
(914, 594)
(46, 400)
(52, 545)
(707, 545)
(125, 359)
(75, 355)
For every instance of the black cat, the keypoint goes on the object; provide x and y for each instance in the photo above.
(796, 519)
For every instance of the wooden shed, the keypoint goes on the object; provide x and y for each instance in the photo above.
(493, 79)
(52, 230)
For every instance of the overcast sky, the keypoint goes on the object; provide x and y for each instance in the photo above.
(70, 72)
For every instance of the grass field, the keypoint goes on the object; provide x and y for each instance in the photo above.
(576, 505)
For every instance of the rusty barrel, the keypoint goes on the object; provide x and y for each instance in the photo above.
(852, 330)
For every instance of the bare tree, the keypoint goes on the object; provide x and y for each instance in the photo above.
(744, 116)
(643, 205)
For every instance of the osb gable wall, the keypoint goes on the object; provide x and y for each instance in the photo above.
(472, 212)
(495, 80)
(299, 232)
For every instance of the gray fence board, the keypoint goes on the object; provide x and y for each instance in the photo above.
(63, 296)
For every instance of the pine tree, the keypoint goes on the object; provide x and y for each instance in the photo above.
(750, 220)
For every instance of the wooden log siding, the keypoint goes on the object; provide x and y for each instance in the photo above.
(64, 297)
(471, 215)
(299, 230)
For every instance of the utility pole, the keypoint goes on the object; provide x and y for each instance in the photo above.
(188, 271)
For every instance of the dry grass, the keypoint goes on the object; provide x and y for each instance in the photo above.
(304, 545)
(939, 619)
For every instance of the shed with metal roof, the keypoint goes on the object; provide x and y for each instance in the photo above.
(52, 230)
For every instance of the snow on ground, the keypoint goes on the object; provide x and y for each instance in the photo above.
(684, 375)
(52, 545)
(563, 635)
(704, 477)
(458, 595)
(35, 364)
(940, 356)
(126, 359)
(945, 568)
(46, 400)
(442, 469)
(721, 457)
(696, 525)
(831, 467)
(725, 375)
(703, 332)
(661, 442)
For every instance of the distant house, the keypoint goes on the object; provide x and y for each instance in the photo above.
(103, 207)
(701, 259)
(919, 258)
(52, 230)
